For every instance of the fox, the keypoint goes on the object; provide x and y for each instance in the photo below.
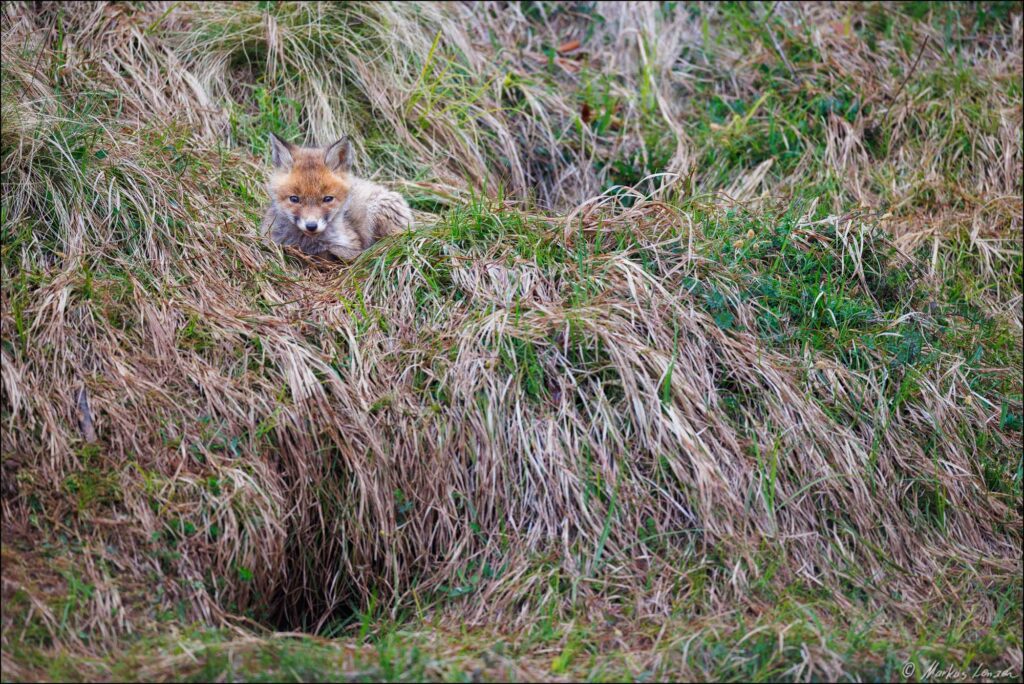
(318, 206)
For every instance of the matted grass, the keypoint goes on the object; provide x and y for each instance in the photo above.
(705, 361)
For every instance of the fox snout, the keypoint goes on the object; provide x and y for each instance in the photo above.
(310, 224)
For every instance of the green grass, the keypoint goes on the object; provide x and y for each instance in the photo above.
(803, 622)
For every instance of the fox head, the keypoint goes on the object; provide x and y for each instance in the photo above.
(310, 185)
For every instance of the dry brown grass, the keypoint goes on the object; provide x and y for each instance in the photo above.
(192, 418)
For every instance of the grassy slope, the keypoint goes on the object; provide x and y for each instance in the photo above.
(764, 422)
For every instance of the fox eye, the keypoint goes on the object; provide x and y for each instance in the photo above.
(329, 198)
(294, 199)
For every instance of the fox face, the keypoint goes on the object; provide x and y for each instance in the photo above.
(310, 185)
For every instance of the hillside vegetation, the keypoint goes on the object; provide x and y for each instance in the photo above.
(703, 361)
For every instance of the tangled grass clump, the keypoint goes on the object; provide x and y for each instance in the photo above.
(714, 322)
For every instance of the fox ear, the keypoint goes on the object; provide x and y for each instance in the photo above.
(280, 152)
(338, 156)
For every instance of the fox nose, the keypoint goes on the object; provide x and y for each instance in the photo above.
(311, 225)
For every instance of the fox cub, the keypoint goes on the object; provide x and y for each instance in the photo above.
(317, 205)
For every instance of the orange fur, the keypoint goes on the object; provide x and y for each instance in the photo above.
(310, 180)
(318, 206)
